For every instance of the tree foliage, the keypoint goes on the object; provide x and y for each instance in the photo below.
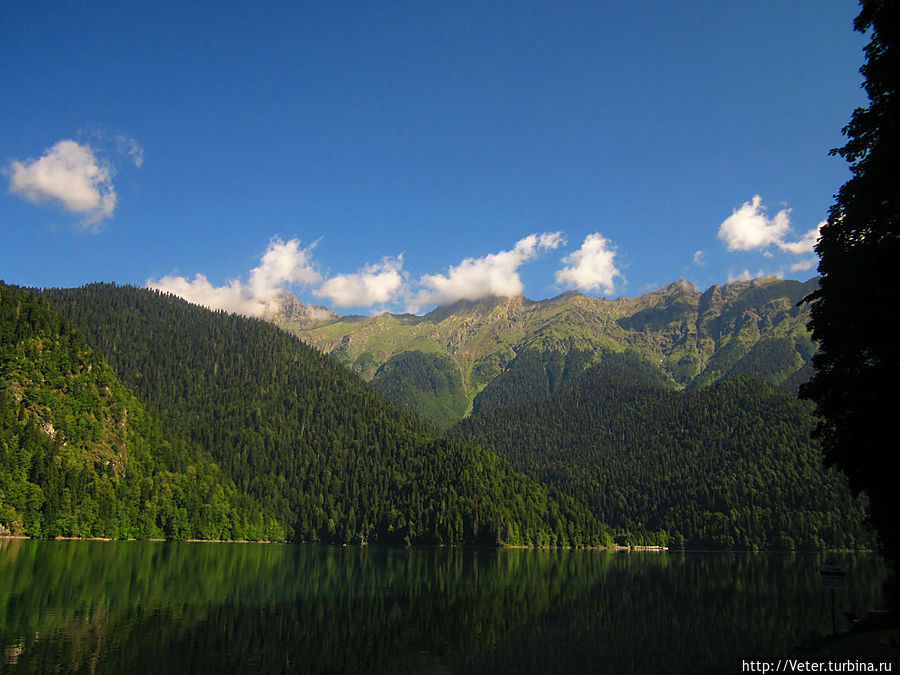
(81, 456)
(728, 466)
(858, 367)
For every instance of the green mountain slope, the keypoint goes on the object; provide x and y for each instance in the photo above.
(695, 339)
(308, 438)
(533, 376)
(427, 384)
(81, 456)
(730, 465)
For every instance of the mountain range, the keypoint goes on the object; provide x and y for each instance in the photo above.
(694, 339)
(126, 412)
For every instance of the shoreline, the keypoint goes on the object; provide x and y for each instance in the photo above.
(616, 548)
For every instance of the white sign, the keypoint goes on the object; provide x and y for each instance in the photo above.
(833, 576)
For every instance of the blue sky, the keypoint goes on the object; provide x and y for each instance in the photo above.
(397, 155)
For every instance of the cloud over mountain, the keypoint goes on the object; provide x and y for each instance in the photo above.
(282, 265)
(375, 284)
(493, 274)
(749, 228)
(591, 267)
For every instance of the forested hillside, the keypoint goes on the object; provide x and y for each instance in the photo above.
(308, 438)
(427, 384)
(210, 425)
(81, 456)
(533, 375)
(730, 465)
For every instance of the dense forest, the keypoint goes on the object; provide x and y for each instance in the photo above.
(129, 413)
(428, 384)
(306, 437)
(535, 375)
(726, 466)
(81, 456)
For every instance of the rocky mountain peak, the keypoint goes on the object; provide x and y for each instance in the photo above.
(299, 315)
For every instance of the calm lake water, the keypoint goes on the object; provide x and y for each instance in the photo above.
(124, 607)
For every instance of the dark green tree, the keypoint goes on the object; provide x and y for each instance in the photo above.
(857, 367)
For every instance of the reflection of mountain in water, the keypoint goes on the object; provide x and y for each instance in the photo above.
(163, 607)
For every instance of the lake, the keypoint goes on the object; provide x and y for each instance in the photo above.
(82, 606)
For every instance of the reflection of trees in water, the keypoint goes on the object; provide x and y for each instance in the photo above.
(133, 606)
(688, 613)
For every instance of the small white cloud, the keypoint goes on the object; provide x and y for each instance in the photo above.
(282, 265)
(740, 276)
(494, 274)
(126, 145)
(70, 175)
(749, 228)
(746, 275)
(374, 284)
(805, 245)
(699, 258)
(284, 262)
(317, 313)
(803, 265)
(591, 267)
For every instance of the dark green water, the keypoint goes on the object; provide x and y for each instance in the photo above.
(124, 607)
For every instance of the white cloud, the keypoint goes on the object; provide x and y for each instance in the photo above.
(70, 175)
(699, 258)
(746, 275)
(591, 267)
(494, 274)
(741, 276)
(803, 265)
(317, 313)
(374, 284)
(805, 245)
(749, 228)
(126, 145)
(283, 264)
